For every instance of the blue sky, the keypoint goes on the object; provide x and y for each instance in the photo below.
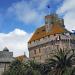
(20, 18)
(13, 13)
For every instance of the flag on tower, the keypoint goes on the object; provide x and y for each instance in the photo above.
(48, 6)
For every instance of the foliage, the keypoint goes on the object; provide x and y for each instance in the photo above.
(60, 64)
(19, 68)
(15, 68)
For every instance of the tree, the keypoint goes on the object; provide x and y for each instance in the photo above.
(14, 69)
(62, 63)
(33, 67)
(20, 68)
(42, 68)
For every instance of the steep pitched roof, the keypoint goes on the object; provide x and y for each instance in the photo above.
(41, 32)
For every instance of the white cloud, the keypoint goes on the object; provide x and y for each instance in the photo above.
(67, 6)
(69, 20)
(15, 41)
(68, 10)
(28, 12)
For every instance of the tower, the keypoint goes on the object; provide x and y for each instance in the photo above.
(48, 23)
(52, 19)
(48, 39)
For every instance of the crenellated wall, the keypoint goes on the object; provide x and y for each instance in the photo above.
(42, 49)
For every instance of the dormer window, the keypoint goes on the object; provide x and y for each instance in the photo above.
(43, 37)
(43, 30)
(48, 35)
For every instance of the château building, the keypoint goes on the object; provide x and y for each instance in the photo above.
(50, 38)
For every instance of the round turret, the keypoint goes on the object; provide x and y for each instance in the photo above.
(6, 49)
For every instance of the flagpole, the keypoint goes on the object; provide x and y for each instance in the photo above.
(48, 6)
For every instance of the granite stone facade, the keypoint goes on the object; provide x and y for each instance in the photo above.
(50, 38)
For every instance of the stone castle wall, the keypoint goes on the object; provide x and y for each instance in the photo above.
(46, 47)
